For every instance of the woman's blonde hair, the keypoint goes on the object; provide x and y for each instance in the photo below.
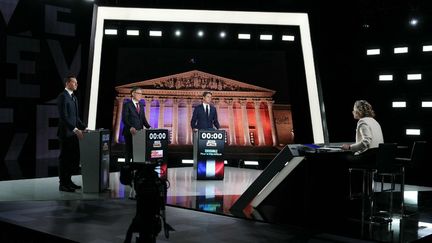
(364, 109)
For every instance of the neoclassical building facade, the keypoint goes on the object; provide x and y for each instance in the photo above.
(248, 113)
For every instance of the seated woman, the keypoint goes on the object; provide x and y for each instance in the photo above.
(368, 134)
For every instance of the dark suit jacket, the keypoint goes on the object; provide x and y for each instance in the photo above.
(131, 118)
(200, 119)
(68, 115)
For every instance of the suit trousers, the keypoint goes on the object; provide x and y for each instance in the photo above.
(69, 159)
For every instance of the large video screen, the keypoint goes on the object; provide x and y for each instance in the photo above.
(258, 87)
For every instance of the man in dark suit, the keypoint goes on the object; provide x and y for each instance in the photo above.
(205, 115)
(134, 119)
(70, 129)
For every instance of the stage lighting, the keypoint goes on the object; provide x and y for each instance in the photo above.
(266, 37)
(399, 50)
(132, 32)
(177, 33)
(416, 76)
(398, 104)
(200, 33)
(427, 104)
(288, 38)
(415, 132)
(121, 160)
(187, 161)
(427, 48)
(251, 162)
(371, 52)
(386, 77)
(110, 32)
(222, 34)
(413, 21)
(157, 33)
(244, 36)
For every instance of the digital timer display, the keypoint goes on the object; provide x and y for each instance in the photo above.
(212, 135)
(157, 135)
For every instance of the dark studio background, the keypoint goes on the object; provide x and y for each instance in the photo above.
(55, 35)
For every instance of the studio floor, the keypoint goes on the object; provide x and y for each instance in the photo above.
(198, 211)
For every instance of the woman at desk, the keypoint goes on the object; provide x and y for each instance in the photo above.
(368, 132)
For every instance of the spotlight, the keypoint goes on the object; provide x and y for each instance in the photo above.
(413, 21)
(200, 33)
(177, 33)
(222, 34)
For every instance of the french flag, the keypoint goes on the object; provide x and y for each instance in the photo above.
(211, 169)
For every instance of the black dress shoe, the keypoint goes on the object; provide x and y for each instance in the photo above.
(64, 188)
(74, 186)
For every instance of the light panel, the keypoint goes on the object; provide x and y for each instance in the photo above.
(156, 33)
(110, 32)
(251, 162)
(371, 52)
(266, 37)
(244, 36)
(426, 104)
(399, 50)
(414, 76)
(288, 38)
(187, 161)
(415, 132)
(427, 48)
(385, 77)
(398, 104)
(132, 32)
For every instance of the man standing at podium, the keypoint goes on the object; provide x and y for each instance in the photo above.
(70, 129)
(205, 115)
(134, 119)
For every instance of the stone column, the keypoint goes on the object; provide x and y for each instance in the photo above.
(148, 101)
(272, 122)
(217, 106)
(259, 126)
(231, 124)
(161, 124)
(175, 122)
(189, 116)
(245, 120)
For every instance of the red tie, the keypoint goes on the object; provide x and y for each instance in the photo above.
(137, 108)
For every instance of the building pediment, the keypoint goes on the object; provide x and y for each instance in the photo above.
(196, 80)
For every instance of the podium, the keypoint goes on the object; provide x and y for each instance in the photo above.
(95, 160)
(208, 147)
(150, 146)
